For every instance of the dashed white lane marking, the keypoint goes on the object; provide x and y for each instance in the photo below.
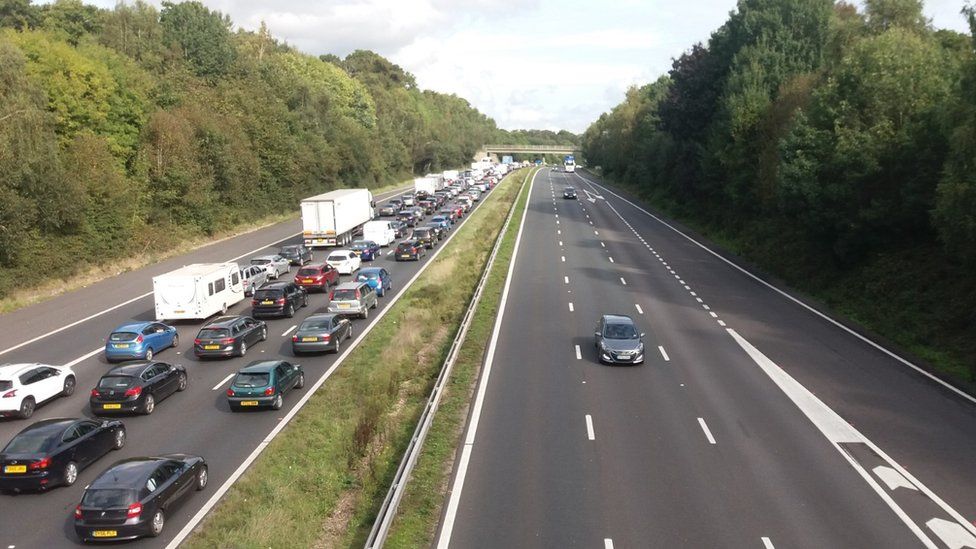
(622, 281)
(713, 314)
(708, 434)
(706, 307)
(721, 323)
(589, 427)
(558, 231)
(566, 279)
(700, 300)
(639, 310)
(664, 353)
(767, 543)
(560, 242)
(611, 259)
(596, 233)
(579, 354)
(223, 381)
(563, 258)
(602, 244)
(288, 331)
(689, 289)
(85, 356)
(591, 222)
(607, 543)
(570, 306)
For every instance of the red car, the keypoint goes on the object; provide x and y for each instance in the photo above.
(459, 211)
(319, 277)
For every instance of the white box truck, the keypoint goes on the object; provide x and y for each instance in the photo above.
(329, 219)
(197, 291)
(426, 185)
(380, 232)
(450, 175)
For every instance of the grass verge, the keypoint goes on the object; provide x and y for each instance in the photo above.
(420, 509)
(321, 482)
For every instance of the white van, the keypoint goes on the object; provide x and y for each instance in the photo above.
(197, 291)
(380, 232)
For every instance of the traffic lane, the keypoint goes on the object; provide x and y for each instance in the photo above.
(868, 388)
(219, 438)
(29, 322)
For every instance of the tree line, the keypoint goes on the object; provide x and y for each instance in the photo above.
(835, 146)
(128, 129)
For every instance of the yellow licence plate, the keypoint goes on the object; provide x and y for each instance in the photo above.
(111, 406)
(15, 469)
(343, 305)
(307, 281)
(267, 302)
(104, 533)
(121, 345)
(249, 403)
(211, 347)
(310, 339)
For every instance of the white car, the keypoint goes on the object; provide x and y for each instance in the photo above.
(344, 261)
(24, 386)
(253, 276)
(274, 264)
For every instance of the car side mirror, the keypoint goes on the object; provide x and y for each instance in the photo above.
(643, 334)
(597, 334)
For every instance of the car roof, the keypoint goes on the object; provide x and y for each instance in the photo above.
(349, 285)
(370, 270)
(290, 246)
(617, 319)
(128, 473)
(260, 366)
(17, 369)
(317, 266)
(267, 286)
(322, 316)
(340, 251)
(133, 326)
(49, 427)
(134, 368)
(225, 321)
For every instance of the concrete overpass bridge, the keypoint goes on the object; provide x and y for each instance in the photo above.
(530, 149)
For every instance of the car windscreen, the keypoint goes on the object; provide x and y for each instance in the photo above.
(213, 333)
(420, 232)
(308, 272)
(107, 498)
(289, 250)
(338, 258)
(122, 336)
(115, 382)
(359, 245)
(405, 246)
(268, 294)
(316, 325)
(620, 331)
(368, 276)
(252, 379)
(344, 295)
(29, 443)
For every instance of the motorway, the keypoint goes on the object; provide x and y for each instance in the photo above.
(71, 329)
(755, 422)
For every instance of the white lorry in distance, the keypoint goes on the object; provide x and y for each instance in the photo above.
(329, 219)
(450, 175)
(197, 291)
(426, 185)
(380, 232)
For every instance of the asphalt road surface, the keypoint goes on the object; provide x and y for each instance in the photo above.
(753, 423)
(71, 329)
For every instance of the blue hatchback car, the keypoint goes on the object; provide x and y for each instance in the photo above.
(366, 249)
(378, 278)
(140, 341)
(441, 221)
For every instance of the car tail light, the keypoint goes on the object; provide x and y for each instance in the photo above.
(10, 394)
(230, 392)
(269, 391)
(134, 511)
(40, 464)
(227, 341)
(133, 392)
(280, 301)
(78, 511)
(197, 341)
(331, 296)
(294, 338)
(139, 339)
(325, 337)
(95, 393)
(357, 294)
(254, 303)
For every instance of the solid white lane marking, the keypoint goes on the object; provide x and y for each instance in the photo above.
(566, 279)
(639, 310)
(708, 434)
(85, 356)
(288, 331)
(622, 281)
(664, 353)
(570, 306)
(579, 354)
(611, 259)
(952, 534)
(223, 381)
(590, 434)
(767, 543)
(893, 478)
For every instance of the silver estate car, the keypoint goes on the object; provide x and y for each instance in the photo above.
(352, 298)
(275, 264)
(618, 340)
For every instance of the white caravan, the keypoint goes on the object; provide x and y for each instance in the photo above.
(197, 291)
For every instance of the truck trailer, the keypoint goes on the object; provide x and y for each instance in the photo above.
(329, 219)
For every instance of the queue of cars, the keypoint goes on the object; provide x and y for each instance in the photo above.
(131, 498)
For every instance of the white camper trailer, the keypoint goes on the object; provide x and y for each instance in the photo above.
(197, 291)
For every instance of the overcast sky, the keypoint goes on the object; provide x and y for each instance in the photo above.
(547, 64)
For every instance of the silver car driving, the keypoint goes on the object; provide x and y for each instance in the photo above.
(274, 264)
(352, 298)
(618, 340)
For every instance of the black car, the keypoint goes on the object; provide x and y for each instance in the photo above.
(130, 499)
(399, 229)
(136, 387)
(569, 192)
(407, 217)
(263, 384)
(439, 231)
(53, 451)
(410, 250)
(426, 236)
(618, 341)
(229, 336)
(278, 299)
(321, 332)
(296, 254)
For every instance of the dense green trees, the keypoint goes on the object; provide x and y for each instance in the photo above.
(827, 143)
(128, 129)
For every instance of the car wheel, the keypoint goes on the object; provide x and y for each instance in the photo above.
(305, 301)
(69, 386)
(27, 408)
(149, 404)
(278, 402)
(149, 353)
(157, 523)
(202, 478)
(301, 381)
(264, 333)
(176, 341)
(182, 383)
(119, 440)
(243, 349)
(70, 474)
(290, 311)
(365, 314)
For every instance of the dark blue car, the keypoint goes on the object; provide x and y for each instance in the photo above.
(378, 278)
(139, 341)
(366, 249)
